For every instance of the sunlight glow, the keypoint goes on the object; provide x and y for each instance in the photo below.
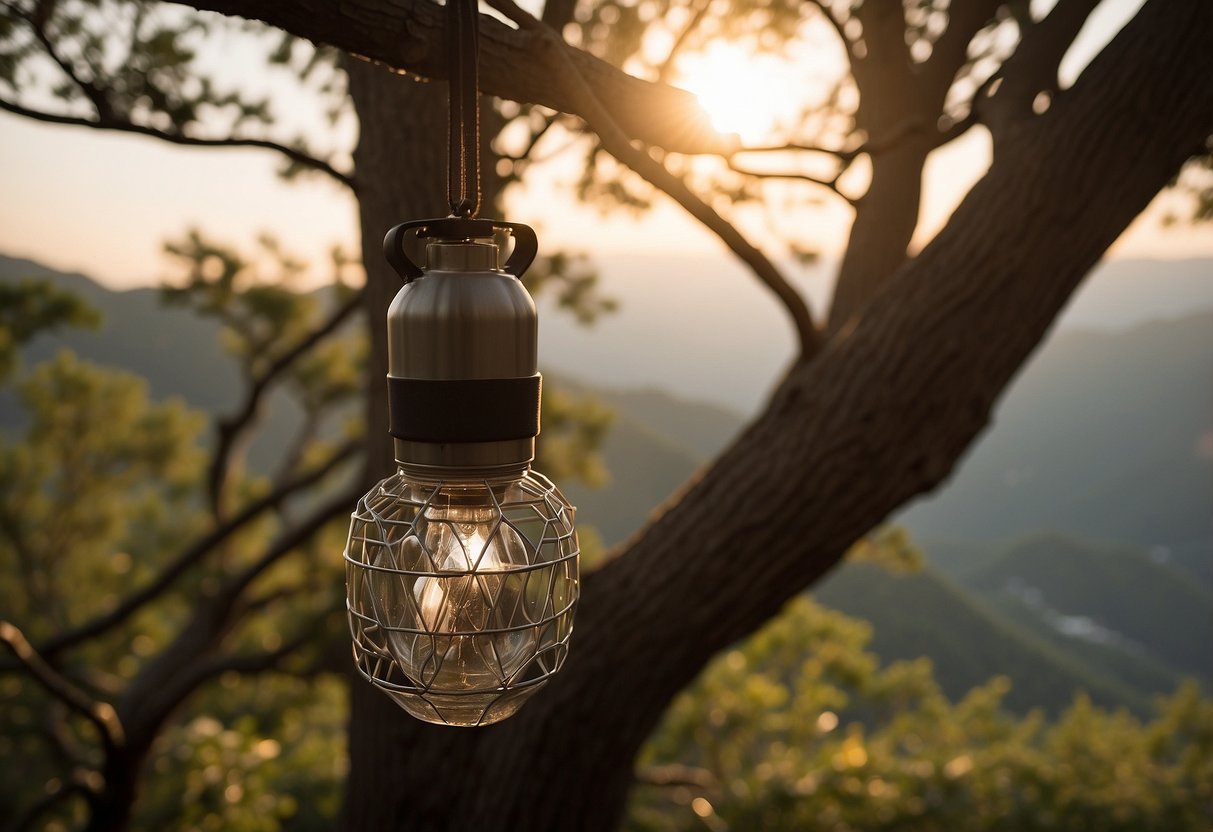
(743, 93)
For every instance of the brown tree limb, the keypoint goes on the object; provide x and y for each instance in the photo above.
(407, 35)
(249, 664)
(101, 714)
(550, 51)
(885, 412)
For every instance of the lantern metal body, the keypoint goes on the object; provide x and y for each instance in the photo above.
(462, 568)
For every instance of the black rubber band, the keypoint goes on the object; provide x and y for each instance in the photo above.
(463, 410)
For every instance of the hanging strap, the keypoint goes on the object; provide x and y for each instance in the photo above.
(463, 49)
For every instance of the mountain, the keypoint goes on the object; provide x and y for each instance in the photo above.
(924, 613)
(177, 351)
(1114, 598)
(1105, 436)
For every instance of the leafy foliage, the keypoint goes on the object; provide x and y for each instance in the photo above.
(800, 728)
(29, 307)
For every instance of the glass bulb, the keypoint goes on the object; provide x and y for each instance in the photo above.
(461, 594)
(464, 626)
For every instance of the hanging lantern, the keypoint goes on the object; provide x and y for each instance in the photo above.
(462, 568)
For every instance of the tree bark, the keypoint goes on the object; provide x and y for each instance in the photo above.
(881, 416)
(885, 219)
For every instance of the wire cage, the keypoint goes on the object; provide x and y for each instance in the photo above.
(461, 594)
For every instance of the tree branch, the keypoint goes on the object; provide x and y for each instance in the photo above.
(121, 126)
(950, 50)
(1032, 67)
(47, 802)
(290, 540)
(830, 183)
(167, 680)
(100, 714)
(550, 51)
(95, 94)
(407, 35)
(194, 553)
(234, 428)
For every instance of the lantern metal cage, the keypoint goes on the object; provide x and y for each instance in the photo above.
(461, 593)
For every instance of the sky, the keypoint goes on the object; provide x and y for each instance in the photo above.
(104, 203)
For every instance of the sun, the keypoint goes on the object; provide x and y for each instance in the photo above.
(742, 92)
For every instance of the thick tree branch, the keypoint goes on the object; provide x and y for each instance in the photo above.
(100, 714)
(122, 126)
(407, 35)
(551, 52)
(852, 436)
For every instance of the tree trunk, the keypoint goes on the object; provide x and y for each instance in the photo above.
(880, 417)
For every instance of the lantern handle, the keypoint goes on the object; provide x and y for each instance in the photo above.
(526, 244)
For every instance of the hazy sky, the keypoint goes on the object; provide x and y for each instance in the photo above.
(103, 203)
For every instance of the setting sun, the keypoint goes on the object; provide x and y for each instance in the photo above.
(743, 93)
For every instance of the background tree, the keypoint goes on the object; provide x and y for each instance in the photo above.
(881, 401)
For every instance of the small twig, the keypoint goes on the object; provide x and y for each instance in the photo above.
(525, 155)
(253, 663)
(701, 9)
(294, 154)
(95, 94)
(101, 714)
(904, 129)
(830, 183)
(341, 504)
